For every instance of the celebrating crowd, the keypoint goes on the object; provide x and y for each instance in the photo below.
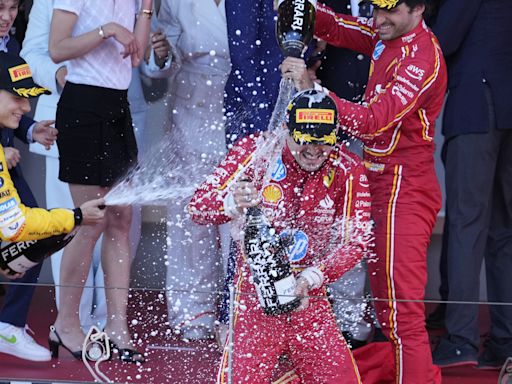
(349, 181)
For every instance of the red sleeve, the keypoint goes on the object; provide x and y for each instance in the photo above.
(352, 235)
(414, 77)
(207, 203)
(345, 31)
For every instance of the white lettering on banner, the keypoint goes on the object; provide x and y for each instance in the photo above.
(363, 194)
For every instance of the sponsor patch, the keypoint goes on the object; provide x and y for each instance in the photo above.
(377, 51)
(12, 229)
(8, 205)
(308, 115)
(327, 202)
(363, 181)
(272, 194)
(279, 171)
(415, 72)
(298, 250)
(20, 72)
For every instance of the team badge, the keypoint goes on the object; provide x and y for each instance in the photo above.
(377, 51)
(279, 171)
(299, 247)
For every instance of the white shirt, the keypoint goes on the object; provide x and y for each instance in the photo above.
(104, 65)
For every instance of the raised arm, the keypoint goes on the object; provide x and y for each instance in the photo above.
(345, 31)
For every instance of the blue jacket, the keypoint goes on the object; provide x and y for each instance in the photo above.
(476, 38)
(253, 85)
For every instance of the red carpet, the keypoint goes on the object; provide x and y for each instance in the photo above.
(169, 360)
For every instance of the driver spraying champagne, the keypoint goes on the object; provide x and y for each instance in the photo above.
(314, 194)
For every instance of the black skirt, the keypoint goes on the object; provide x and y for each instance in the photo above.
(96, 141)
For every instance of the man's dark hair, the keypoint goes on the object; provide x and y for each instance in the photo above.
(414, 3)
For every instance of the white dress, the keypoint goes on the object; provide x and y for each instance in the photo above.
(197, 31)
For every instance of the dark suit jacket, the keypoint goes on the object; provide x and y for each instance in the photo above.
(475, 36)
(343, 71)
(7, 140)
(253, 85)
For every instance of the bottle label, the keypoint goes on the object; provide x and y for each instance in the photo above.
(21, 264)
(285, 289)
(313, 2)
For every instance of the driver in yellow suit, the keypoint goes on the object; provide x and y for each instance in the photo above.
(18, 222)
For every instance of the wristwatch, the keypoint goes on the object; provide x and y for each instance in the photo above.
(101, 32)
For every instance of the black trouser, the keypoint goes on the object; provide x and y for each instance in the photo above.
(18, 297)
(479, 208)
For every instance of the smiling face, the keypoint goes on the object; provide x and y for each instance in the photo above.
(12, 108)
(8, 13)
(398, 21)
(310, 157)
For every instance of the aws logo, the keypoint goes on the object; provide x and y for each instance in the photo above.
(415, 72)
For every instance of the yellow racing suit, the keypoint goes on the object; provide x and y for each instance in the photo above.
(20, 223)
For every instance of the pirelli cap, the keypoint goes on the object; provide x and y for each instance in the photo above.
(383, 4)
(312, 118)
(16, 77)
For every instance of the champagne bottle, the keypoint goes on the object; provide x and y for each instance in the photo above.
(20, 256)
(270, 269)
(295, 25)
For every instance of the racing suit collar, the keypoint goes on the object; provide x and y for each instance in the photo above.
(407, 38)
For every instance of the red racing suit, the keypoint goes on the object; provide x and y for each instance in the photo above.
(328, 214)
(404, 96)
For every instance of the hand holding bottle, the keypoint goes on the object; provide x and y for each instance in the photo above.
(93, 211)
(295, 69)
(245, 194)
(302, 291)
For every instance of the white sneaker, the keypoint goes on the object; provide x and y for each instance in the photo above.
(17, 342)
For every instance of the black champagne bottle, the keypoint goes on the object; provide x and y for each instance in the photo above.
(20, 256)
(295, 25)
(268, 261)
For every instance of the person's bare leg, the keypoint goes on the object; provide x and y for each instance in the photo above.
(75, 265)
(116, 261)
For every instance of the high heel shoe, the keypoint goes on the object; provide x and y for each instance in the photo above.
(127, 355)
(55, 344)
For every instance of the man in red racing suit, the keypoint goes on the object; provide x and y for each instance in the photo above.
(404, 96)
(326, 208)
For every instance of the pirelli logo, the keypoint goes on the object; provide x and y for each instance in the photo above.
(314, 116)
(20, 72)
